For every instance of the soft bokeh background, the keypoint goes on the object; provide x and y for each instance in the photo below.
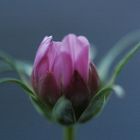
(23, 24)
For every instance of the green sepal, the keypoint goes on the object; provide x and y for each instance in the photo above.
(23, 69)
(107, 61)
(96, 104)
(63, 112)
(25, 87)
(99, 100)
(123, 62)
(41, 107)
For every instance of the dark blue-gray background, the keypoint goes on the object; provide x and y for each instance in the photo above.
(23, 24)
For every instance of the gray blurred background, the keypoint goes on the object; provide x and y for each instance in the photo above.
(24, 23)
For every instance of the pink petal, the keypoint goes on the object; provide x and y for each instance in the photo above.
(70, 45)
(82, 64)
(39, 72)
(62, 69)
(41, 61)
(52, 53)
(45, 58)
(78, 48)
(82, 61)
(84, 41)
(42, 50)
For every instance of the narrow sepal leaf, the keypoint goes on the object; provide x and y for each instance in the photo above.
(96, 104)
(26, 88)
(23, 69)
(107, 61)
(37, 103)
(123, 62)
(6, 58)
(41, 107)
(63, 112)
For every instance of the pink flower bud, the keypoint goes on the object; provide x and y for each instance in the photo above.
(64, 69)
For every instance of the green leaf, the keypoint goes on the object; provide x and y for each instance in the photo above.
(41, 107)
(37, 103)
(23, 69)
(63, 112)
(96, 104)
(123, 62)
(26, 88)
(6, 58)
(105, 65)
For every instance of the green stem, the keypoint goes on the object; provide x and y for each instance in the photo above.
(69, 133)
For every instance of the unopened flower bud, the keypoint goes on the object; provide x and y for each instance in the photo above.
(64, 69)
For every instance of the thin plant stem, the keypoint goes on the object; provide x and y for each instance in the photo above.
(69, 133)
